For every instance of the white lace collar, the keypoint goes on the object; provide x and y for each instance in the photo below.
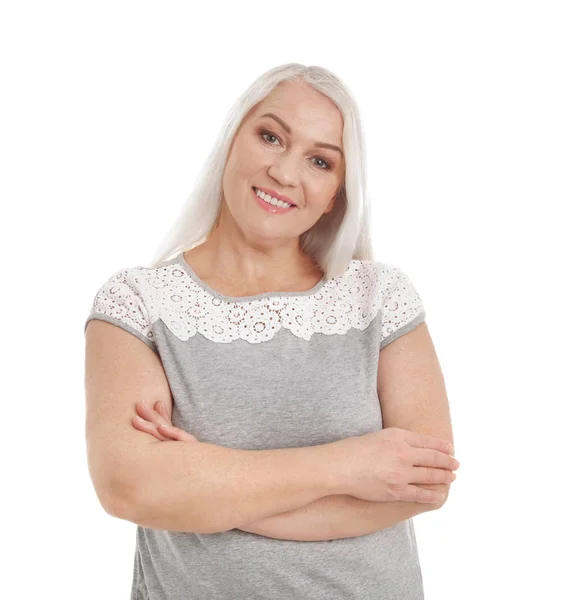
(187, 306)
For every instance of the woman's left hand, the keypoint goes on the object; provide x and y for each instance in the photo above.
(157, 422)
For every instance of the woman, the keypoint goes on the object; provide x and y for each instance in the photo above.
(275, 330)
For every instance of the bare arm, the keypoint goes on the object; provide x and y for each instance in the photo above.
(206, 488)
(337, 517)
(332, 516)
(329, 517)
(175, 485)
(413, 396)
(155, 483)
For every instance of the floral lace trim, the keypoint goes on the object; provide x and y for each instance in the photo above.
(118, 301)
(140, 296)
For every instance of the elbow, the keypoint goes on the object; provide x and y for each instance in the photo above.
(114, 483)
(143, 506)
(126, 504)
(119, 508)
(114, 503)
(117, 499)
(443, 489)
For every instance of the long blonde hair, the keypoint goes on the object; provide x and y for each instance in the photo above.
(337, 237)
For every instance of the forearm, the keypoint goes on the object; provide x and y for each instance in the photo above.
(205, 488)
(339, 516)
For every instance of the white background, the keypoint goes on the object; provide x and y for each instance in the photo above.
(108, 110)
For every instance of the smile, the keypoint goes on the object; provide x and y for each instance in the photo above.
(268, 206)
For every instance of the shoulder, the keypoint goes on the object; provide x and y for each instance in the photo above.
(132, 291)
(385, 276)
(133, 280)
(126, 299)
(401, 306)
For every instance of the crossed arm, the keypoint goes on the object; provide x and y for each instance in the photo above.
(340, 516)
(412, 396)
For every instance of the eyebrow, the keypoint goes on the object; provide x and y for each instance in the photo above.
(289, 130)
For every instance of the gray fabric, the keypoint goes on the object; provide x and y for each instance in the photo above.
(286, 391)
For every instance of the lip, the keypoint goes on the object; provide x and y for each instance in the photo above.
(274, 193)
(269, 207)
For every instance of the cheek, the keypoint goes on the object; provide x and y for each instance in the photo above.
(317, 193)
(247, 158)
(237, 166)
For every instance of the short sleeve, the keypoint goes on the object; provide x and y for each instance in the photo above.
(119, 302)
(402, 307)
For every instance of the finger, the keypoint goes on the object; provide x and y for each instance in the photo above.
(424, 457)
(180, 434)
(428, 475)
(149, 414)
(421, 440)
(160, 408)
(159, 415)
(146, 412)
(159, 430)
(174, 433)
(149, 422)
(413, 493)
(177, 433)
(148, 427)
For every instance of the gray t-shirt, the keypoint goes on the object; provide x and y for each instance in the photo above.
(275, 370)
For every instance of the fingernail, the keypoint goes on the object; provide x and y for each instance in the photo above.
(163, 406)
(139, 418)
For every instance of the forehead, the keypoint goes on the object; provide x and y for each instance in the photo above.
(305, 110)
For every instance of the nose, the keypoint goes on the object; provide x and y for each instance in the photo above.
(284, 169)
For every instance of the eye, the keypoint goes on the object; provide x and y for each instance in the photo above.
(327, 163)
(263, 133)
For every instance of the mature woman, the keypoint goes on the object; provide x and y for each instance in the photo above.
(285, 416)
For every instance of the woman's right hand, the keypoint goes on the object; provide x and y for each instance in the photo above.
(386, 465)
(157, 422)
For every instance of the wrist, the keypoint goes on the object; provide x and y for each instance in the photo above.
(337, 476)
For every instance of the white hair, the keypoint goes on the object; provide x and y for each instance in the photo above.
(337, 237)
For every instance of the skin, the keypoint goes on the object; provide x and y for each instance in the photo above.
(251, 249)
(157, 422)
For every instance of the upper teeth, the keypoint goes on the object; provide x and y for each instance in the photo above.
(272, 200)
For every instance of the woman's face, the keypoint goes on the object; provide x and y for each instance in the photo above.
(284, 154)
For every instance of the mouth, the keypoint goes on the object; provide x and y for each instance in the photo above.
(271, 207)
